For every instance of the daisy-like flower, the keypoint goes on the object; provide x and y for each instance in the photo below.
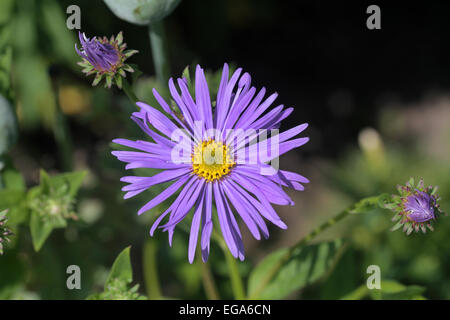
(4, 231)
(416, 207)
(216, 157)
(105, 58)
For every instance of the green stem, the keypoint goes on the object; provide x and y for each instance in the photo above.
(150, 269)
(62, 136)
(208, 279)
(126, 87)
(60, 128)
(357, 294)
(236, 281)
(362, 206)
(158, 44)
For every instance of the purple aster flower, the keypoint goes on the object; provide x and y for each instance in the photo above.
(416, 207)
(105, 58)
(216, 157)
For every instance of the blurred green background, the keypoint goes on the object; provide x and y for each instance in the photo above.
(378, 107)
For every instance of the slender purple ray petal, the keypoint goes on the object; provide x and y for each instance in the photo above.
(223, 105)
(265, 209)
(234, 227)
(260, 110)
(271, 190)
(207, 224)
(163, 195)
(243, 196)
(155, 164)
(161, 177)
(174, 205)
(169, 111)
(241, 210)
(251, 108)
(195, 226)
(184, 110)
(220, 92)
(202, 97)
(224, 223)
(158, 120)
(186, 205)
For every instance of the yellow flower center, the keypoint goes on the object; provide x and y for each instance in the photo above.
(211, 160)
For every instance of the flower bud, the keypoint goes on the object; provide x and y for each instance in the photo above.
(416, 207)
(105, 58)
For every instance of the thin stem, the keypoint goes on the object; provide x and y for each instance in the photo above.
(61, 132)
(357, 294)
(150, 269)
(158, 44)
(236, 281)
(126, 87)
(321, 228)
(208, 279)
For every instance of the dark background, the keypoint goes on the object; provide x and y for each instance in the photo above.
(318, 55)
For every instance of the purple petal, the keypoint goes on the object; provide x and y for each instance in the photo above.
(173, 206)
(241, 210)
(207, 224)
(224, 222)
(163, 195)
(202, 97)
(195, 226)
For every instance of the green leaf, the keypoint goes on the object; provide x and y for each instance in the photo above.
(116, 286)
(390, 290)
(186, 74)
(41, 229)
(13, 180)
(97, 79)
(72, 180)
(121, 269)
(108, 81)
(393, 290)
(10, 198)
(118, 79)
(305, 265)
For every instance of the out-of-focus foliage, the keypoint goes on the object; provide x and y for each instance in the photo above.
(38, 36)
